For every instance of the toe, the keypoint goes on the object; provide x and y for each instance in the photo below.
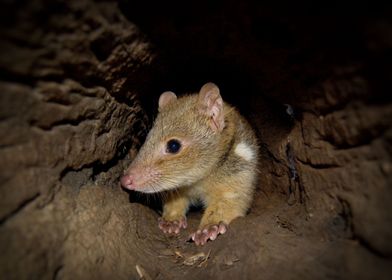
(172, 227)
(222, 228)
(201, 236)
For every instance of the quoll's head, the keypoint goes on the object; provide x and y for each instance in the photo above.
(182, 145)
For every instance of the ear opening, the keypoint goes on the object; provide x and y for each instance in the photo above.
(166, 98)
(211, 104)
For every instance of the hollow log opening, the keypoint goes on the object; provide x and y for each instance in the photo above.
(80, 82)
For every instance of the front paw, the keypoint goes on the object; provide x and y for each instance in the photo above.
(172, 227)
(201, 236)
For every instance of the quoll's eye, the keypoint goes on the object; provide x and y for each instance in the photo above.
(173, 146)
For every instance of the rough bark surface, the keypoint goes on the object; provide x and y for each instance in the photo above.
(79, 85)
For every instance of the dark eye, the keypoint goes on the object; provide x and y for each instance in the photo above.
(173, 146)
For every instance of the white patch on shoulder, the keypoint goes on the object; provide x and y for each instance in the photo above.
(243, 150)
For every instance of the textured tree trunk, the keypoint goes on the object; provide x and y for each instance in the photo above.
(79, 84)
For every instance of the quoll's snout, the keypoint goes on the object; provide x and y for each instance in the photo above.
(127, 181)
(141, 179)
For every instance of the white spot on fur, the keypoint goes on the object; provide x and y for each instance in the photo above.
(244, 151)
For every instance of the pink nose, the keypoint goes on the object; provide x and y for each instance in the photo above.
(126, 181)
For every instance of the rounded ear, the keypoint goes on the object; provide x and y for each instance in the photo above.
(211, 104)
(166, 98)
